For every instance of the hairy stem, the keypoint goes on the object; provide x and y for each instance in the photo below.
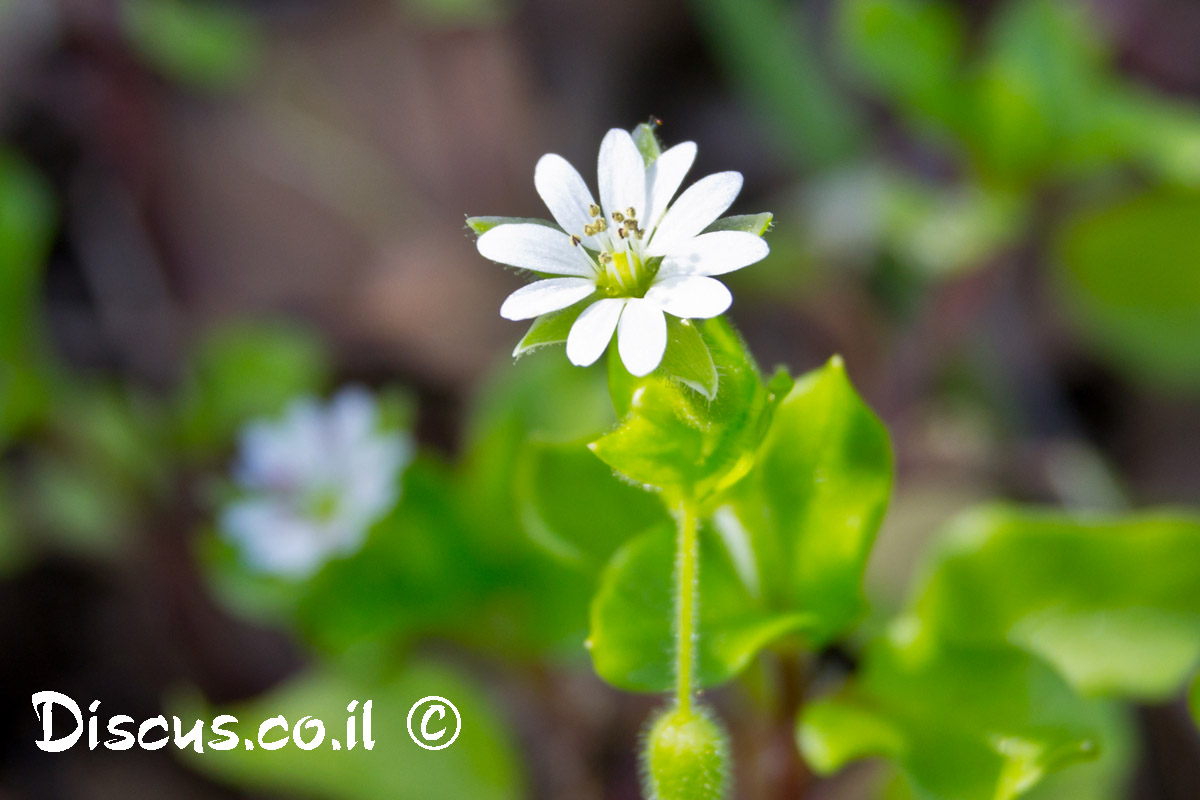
(686, 587)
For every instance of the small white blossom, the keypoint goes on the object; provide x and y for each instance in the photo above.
(637, 254)
(313, 482)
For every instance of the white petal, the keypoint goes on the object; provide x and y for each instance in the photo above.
(642, 336)
(545, 296)
(564, 193)
(696, 209)
(535, 247)
(591, 333)
(663, 178)
(690, 297)
(622, 174)
(715, 254)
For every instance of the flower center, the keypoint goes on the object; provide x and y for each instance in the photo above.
(621, 270)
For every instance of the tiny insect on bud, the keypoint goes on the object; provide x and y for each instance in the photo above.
(685, 756)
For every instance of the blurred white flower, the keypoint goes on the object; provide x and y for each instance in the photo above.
(313, 482)
(633, 255)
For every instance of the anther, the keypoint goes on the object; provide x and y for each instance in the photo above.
(618, 216)
(601, 224)
(605, 258)
(594, 210)
(621, 232)
(631, 213)
(575, 240)
(589, 230)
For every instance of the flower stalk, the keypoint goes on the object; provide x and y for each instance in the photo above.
(686, 606)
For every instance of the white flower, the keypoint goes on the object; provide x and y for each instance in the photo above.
(313, 483)
(636, 255)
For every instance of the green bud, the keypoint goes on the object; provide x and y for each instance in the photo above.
(685, 756)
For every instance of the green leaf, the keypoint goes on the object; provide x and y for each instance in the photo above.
(1039, 92)
(647, 142)
(633, 611)
(574, 507)
(687, 358)
(551, 328)
(758, 224)
(208, 44)
(1194, 699)
(481, 764)
(1112, 603)
(1110, 775)
(532, 604)
(818, 497)
(481, 225)
(911, 50)
(963, 723)
(672, 438)
(27, 220)
(417, 573)
(13, 548)
(243, 371)
(1127, 272)
(767, 50)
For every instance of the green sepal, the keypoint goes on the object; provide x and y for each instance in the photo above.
(551, 328)
(481, 225)
(647, 142)
(758, 224)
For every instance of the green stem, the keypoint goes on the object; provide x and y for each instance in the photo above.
(686, 586)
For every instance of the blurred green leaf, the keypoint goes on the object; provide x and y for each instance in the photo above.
(1129, 272)
(963, 723)
(458, 12)
(533, 604)
(1039, 91)
(767, 50)
(102, 462)
(416, 573)
(1194, 698)
(1112, 603)
(816, 500)
(944, 231)
(12, 548)
(205, 43)
(1110, 775)
(27, 220)
(910, 50)
(674, 439)
(243, 371)
(1159, 133)
(576, 508)
(481, 764)
(634, 608)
